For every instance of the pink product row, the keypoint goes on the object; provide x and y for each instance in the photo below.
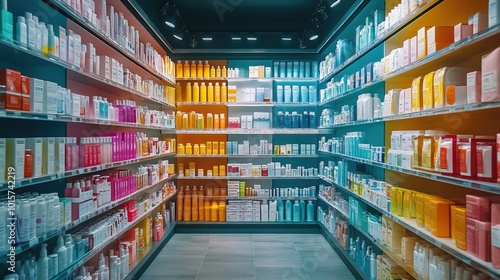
(483, 227)
(115, 26)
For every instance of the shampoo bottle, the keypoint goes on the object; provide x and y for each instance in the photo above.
(310, 211)
(302, 210)
(62, 254)
(31, 31)
(43, 263)
(288, 210)
(6, 22)
(21, 32)
(279, 209)
(68, 243)
(296, 211)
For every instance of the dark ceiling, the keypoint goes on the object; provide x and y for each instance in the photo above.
(268, 20)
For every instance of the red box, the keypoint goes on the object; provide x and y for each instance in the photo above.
(25, 93)
(11, 79)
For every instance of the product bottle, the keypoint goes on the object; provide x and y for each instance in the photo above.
(212, 72)
(310, 211)
(199, 70)
(43, 263)
(377, 113)
(51, 47)
(31, 31)
(28, 163)
(188, 97)
(222, 211)
(296, 211)
(21, 32)
(373, 266)
(201, 203)
(187, 205)
(179, 69)
(368, 107)
(214, 211)
(207, 209)
(302, 210)
(288, 210)
(193, 69)
(223, 94)
(140, 244)
(217, 89)
(187, 70)
(180, 204)
(206, 69)
(194, 203)
(203, 93)
(280, 210)
(68, 243)
(196, 92)
(6, 22)
(62, 254)
(218, 72)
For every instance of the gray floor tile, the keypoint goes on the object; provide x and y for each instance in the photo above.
(278, 273)
(308, 238)
(289, 261)
(274, 252)
(312, 246)
(272, 238)
(236, 270)
(243, 245)
(331, 276)
(224, 277)
(273, 245)
(191, 237)
(320, 253)
(175, 265)
(169, 277)
(231, 237)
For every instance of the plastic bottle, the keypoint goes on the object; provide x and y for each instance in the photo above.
(214, 211)
(212, 72)
(62, 254)
(194, 204)
(51, 47)
(210, 90)
(279, 94)
(28, 163)
(199, 70)
(288, 94)
(43, 263)
(377, 112)
(359, 108)
(196, 92)
(206, 69)
(218, 72)
(187, 204)
(280, 210)
(201, 204)
(193, 69)
(224, 72)
(22, 31)
(32, 30)
(296, 211)
(217, 89)
(310, 211)
(189, 89)
(223, 93)
(368, 107)
(187, 69)
(179, 69)
(68, 243)
(207, 210)
(302, 210)
(288, 210)
(222, 211)
(180, 204)
(203, 93)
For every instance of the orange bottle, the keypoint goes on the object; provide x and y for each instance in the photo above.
(194, 203)
(201, 204)
(187, 205)
(222, 211)
(178, 92)
(179, 205)
(214, 211)
(193, 69)
(187, 69)
(178, 70)
(199, 70)
(28, 163)
(207, 210)
(206, 70)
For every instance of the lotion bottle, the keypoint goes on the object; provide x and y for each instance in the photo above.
(62, 255)
(43, 263)
(21, 32)
(6, 22)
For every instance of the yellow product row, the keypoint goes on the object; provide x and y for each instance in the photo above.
(210, 148)
(217, 170)
(199, 70)
(193, 205)
(193, 120)
(204, 93)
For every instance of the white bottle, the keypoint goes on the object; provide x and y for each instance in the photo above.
(62, 254)
(359, 108)
(44, 37)
(68, 243)
(32, 233)
(368, 107)
(113, 268)
(38, 39)
(22, 31)
(43, 263)
(377, 113)
(3, 226)
(24, 217)
(124, 262)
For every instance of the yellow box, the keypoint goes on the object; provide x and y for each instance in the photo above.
(196, 149)
(428, 91)
(209, 148)
(222, 148)
(416, 94)
(419, 209)
(192, 165)
(222, 170)
(203, 149)
(215, 171)
(422, 42)
(437, 216)
(408, 196)
(459, 226)
(189, 149)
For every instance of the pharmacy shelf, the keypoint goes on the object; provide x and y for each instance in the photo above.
(10, 52)
(246, 79)
(68, 11)
(423, 7)
(445, 244)
(236, 131)
(137, 268)
(475, 44)
(355, 123)
(4, 186)
(246, 178)
(333, 206)
(244, 104)
(490, 187)
(215, 79)
(83, 219)
(13, 114)
(245, 156)
(201, 103)
(364, 88)
(344, 254)
(67, 272)
(261, 197)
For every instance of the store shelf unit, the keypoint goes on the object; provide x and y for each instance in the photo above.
(246, 156)
(67, 272)
(64, 8)
(247, 178)
(77, 172)
(236, 131)
(446, 244)
(85, 218)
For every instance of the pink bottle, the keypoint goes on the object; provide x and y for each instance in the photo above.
(495, 235)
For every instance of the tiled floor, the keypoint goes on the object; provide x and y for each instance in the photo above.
(247, 256)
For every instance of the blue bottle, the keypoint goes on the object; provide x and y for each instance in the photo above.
(295, 69)
(276, 69)
(313, 94)
(295, 120)
(296, 211)
(310, 211)
(315, 69)
(289, 69)
(279, 209)
(282, 69)
(288, 120)
(307, 73)
(302, 70)
(305, 120)
(288, 210)
(304, 94)
(281, 119)
(302, 210)
(312, 120)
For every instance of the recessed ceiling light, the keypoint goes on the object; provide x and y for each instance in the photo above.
(236, 37)
(251, 38)
(178, 35)
(207, 38)
(333, 3)
(170, 20)
(286, 37)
